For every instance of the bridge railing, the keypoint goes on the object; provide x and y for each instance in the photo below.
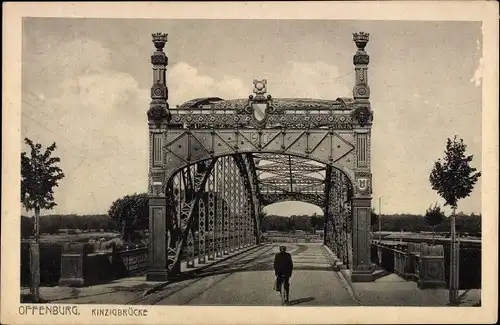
(415, 262)
(82, 264)
(291, 238)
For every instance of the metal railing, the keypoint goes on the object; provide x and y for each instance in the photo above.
(421, 263)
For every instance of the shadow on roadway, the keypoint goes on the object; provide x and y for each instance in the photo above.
(262, 262)
(242, 266)
(300, 300)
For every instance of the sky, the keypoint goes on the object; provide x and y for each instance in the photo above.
(86, 86)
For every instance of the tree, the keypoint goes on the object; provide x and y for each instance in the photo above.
(433, 217)
(315, 222)
(454, 179)
(132, 213)
(39, 175)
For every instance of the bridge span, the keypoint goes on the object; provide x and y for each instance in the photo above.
(247, 279)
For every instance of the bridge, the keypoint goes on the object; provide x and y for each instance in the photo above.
(215, 163)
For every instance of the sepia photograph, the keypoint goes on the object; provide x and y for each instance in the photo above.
(264, 161)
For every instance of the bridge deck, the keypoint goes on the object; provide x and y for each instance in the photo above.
(248, 280)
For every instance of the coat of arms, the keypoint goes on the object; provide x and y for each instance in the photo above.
(259, 103)
(363, 184)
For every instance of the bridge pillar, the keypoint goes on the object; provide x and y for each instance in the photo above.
(158, 241)
(362, 268)
(158, 114)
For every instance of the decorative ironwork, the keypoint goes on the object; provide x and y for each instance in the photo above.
(232, 205)
(201, 231)
(287, 114)
(219, 227)
(211, 215)
(226, 205)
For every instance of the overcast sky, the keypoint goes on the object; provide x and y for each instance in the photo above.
(86, 86)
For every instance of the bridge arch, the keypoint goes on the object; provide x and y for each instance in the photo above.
(172, 169)
(318, 202)
(319, 206)
(214, 132)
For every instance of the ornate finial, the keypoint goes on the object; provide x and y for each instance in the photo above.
(159, 39)
(361, 39)
(259, 88)
(361, 59)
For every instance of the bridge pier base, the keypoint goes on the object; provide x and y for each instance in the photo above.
(157, 275)
(158, 242)
(360, 275)
(362, 269)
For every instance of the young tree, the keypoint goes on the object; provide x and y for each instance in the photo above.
(39, 175)
(433, 217)
(454, 179)
(132, 214)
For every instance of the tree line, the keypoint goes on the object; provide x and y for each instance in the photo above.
(53, 224)
(417, 223)
(295, 222)
(470, 224)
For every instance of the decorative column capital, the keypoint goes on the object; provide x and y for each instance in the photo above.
(362, 116)
(361, 57)
(158, 108)
(361, 39)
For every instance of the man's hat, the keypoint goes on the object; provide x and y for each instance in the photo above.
(282, 248)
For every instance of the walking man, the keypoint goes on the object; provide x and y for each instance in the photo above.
(283, 267)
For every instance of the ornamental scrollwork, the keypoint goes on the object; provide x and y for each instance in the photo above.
(363, 115)
(360, 58)
(159, 58)
(158, 113)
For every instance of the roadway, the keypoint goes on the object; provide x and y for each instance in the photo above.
(247, 279)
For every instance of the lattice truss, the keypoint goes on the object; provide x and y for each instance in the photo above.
(285, 177)
(212, 212)
(338, 214)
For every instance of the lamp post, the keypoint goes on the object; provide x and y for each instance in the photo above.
(379, 218)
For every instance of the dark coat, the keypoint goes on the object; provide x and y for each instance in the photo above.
(283, 264)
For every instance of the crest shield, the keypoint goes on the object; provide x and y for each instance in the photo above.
(259, 111)
(363, 184)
